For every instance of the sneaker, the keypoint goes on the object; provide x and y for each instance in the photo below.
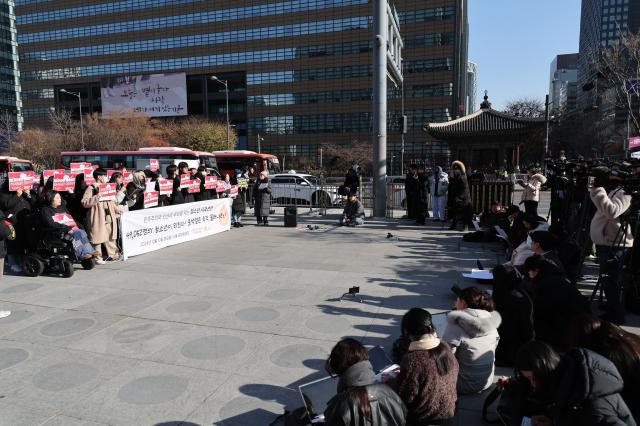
(16, 268)
(100, 261)
(113, 258)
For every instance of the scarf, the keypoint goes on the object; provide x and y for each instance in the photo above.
(426, 342)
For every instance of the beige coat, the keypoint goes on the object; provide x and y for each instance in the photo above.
(531, 191)
(97, 219)
(606, 223)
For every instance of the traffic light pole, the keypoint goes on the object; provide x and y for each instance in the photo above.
(380, 34)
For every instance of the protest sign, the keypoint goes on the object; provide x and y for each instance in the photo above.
(210, 182)
(65, 219)
(147, 230)
(195, 186)
(166, 186)
(154, 165)
(107, 191)
(20, 181)
(221, 186)
(46, 174)
(185, 181)
(234, 191)
(64, 182)
(150, 199)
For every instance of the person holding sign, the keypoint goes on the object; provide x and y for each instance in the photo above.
(135, 191)
(262, 197)
(55, 216)
(6, 233)
(184, 175)
(16, 205)
(204, 194)
(102, 225)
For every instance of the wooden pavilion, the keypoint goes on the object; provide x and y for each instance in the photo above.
(487, 139)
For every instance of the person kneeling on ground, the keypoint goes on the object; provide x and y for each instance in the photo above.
(360, 400)
(428, 372)
(353, 213)
(579, 388)
(81, 245)
(472, 332)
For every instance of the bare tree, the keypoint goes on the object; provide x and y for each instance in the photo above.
(198, 134)
(619, 66)
(8, 128)
(526, 107)
(64, 125)
(127, 132)
(340, 157)
(40, 146)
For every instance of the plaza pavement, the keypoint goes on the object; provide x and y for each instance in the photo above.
(221, 330)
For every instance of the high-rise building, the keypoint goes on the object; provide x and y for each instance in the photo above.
(601, 23)
(299, 71)
(472, 87)
(9, 74)
(563, 83)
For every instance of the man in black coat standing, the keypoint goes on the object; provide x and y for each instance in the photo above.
(459, 197)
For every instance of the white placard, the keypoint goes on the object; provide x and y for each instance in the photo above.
(479, 274)
(154, 95)
(148, 230)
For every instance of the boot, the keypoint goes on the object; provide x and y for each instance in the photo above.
(266, 222)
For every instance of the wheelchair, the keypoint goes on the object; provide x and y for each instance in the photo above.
(48, 252)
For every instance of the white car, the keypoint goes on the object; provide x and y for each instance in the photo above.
(297, 188)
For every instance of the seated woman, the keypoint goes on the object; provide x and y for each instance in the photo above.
(81, 245)
(428, 372)
(360, 400)
(578, 388)
(516, 309)
(472, 331)
(353, 213)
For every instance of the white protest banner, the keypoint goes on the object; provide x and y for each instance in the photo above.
(107, 191)
(150, 199)
(148, 230)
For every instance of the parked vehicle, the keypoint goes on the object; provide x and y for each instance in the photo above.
(298, 188)
(230, 161)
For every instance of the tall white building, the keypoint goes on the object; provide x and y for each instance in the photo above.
(563, 83)
(472, 87)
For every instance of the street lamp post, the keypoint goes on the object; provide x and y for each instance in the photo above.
(226, 91)
(260, 139)
(77, 95)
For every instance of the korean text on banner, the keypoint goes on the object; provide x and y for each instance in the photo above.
(64, 182)
(210, 182)
(150, 199)
(634, 142)
(107, 191)
(166, 186)
(65, 219)
(20, 181)
(148, 230)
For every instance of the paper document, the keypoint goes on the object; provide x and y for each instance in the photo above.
(501, 233)
(479, 274)
(389, 371)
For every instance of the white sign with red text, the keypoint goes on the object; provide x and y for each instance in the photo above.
(150, 199)
(166, 186)
(107, 191)
(20, 181)
(64, 182)
(65, 219)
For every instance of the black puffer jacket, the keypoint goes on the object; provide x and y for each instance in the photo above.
(587, 392)
(458, 191)
(387, 409)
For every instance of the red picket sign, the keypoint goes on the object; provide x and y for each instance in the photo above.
(77, 168)
(107, 191)
(150, 199)
(46, 174)
(64, 182)
(166, 186)
(185, 181)
(154, 165)
(65, 219)
(234, 191)
(221, 186)
(195, 186)
(210, 182)
(20, 181)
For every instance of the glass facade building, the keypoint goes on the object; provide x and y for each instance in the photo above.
(10, 100)
(299, 71)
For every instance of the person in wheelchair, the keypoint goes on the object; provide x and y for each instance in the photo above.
(53, 215)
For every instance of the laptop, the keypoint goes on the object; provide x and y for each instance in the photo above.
(439, 322)
(316, 395)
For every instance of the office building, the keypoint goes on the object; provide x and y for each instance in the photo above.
(299, 71)
(472, 87)
(563, 83)
(10, 103)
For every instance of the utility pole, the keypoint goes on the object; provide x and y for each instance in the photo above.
(260, 139)
(546, 136)
(380, 39)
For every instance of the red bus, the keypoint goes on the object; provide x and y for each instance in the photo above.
(138, 160)
(230, 161)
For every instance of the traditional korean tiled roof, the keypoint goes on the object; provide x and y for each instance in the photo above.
(486, 122)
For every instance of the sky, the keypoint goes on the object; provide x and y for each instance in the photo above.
(514, 41)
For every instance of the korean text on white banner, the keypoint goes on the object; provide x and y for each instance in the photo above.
(148, 230)
(154, 95)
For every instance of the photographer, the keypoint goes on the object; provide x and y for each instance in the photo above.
(613, 243)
